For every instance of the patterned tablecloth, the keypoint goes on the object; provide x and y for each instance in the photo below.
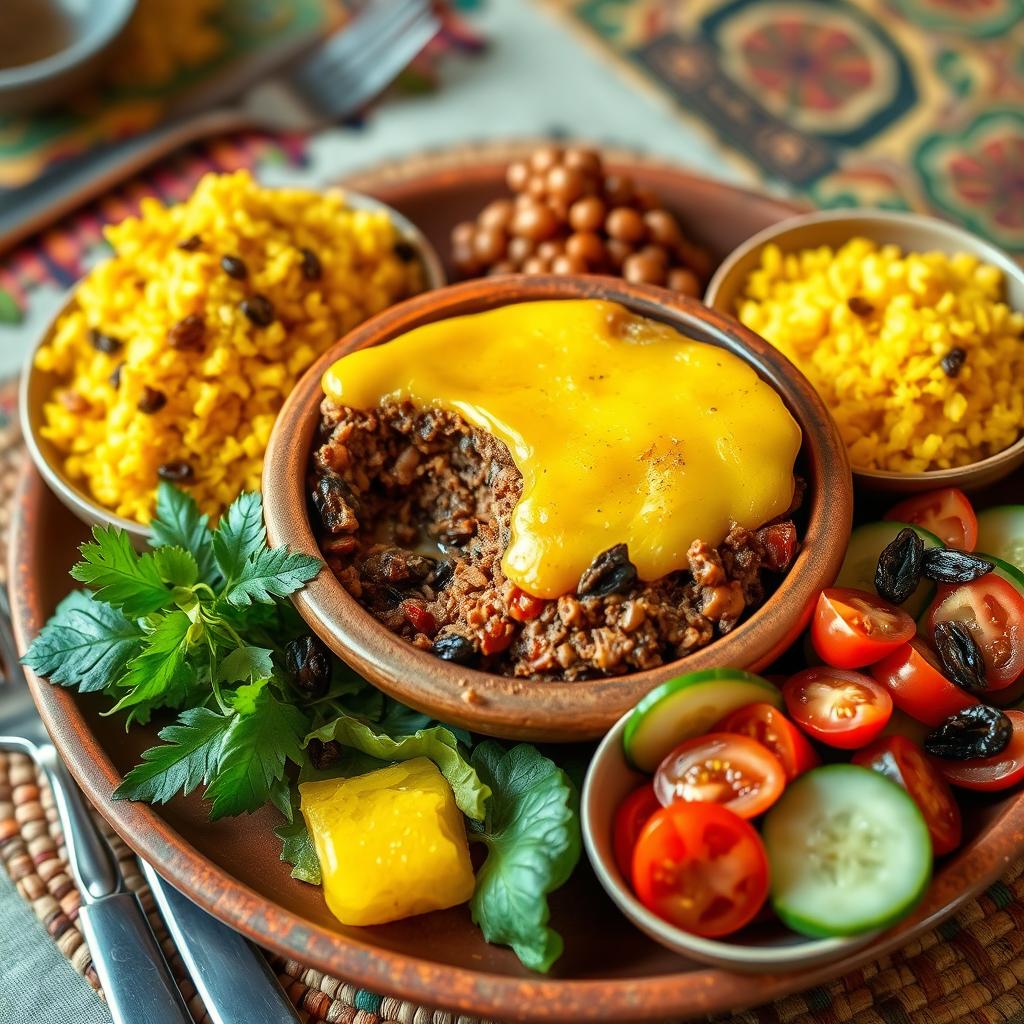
(903, 104)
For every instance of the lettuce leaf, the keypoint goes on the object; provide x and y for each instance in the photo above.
(532, 834)
(436, 743)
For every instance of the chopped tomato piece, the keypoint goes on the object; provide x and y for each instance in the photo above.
(780, 542)
(721, 768)
(632, 814)
(1000, 771)
(770, 727)
(993, 611)
(915, 681)
(523, 606)
(852, 628)
(498, 634)
(419, 618)
(843, 709)
(946, 513)
(701, 868)
(903, 761)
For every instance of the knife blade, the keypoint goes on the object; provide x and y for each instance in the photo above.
(232, 977)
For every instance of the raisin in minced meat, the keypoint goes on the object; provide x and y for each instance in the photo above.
(412, 510)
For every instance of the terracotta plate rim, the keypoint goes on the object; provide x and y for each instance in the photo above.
(538, 998)
(703, 990)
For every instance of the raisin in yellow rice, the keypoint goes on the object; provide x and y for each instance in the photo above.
(182, 347)
(917, 355)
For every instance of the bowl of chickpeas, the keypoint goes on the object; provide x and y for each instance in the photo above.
(567, 213)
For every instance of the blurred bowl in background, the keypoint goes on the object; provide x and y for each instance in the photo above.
(49, 48)
(912, 233)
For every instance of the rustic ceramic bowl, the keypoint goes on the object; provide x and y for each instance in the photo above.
(81, 33)
(518, 708)
(912, 233)
(37, 385)
(765, 946)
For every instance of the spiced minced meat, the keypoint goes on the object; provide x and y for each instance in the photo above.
(412, 509)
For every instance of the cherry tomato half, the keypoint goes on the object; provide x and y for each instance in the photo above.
(630, 818)
(701, 868)
(914, 679)
(772, 729)
(852, 628)
(904, 762)
(993, 611)
(946, 513)
(1000, 771)
(841, 708)
(721, 768)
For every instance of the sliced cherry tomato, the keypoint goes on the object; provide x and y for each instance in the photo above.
(906, 763)
(843, 709)
(630, 818)
(852, 628)
(990, 773)
(946, 513)
(721, 768)
(780, 541)
(772, 729)
(993, 610)
(701, 868)
(914, 679)
(523, 606)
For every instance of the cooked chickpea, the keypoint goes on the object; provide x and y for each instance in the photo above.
(625, 224)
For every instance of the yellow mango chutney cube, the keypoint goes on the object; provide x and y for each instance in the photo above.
(391, 843)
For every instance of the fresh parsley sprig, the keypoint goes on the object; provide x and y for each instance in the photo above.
(161, 630)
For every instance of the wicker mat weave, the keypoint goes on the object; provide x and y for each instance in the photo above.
(970, 969)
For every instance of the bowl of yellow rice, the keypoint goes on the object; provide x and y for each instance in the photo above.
(911, 329)
(171, 359)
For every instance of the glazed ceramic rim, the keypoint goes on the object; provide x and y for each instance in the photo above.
(972, 243)
(85, 45)
(715, 952)
(497, 704)
(73, 495)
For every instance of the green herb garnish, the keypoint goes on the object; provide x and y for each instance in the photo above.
(199, 626)
(161, 630)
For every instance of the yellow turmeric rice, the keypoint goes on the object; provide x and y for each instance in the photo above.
(181, 348)
(917, 355)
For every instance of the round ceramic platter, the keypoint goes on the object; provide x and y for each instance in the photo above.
(609, 971)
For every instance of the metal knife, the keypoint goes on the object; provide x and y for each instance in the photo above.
(136, 980)
(234, 979)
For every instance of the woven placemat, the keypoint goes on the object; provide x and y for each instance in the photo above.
(970, 969)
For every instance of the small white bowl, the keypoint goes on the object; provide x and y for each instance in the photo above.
(36, 386)
(767, 946)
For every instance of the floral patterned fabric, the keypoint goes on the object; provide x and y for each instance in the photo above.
(903, 104)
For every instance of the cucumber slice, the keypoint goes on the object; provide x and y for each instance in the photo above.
(1008, 572)
(1001, 531)
(849, 852)
(688, 706)
(866, 544)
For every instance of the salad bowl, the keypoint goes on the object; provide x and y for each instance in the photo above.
(555, 711)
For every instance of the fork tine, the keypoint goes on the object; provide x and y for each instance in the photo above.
(375, 19)
(347, 87)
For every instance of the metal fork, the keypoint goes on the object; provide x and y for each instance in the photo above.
(333, 82)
